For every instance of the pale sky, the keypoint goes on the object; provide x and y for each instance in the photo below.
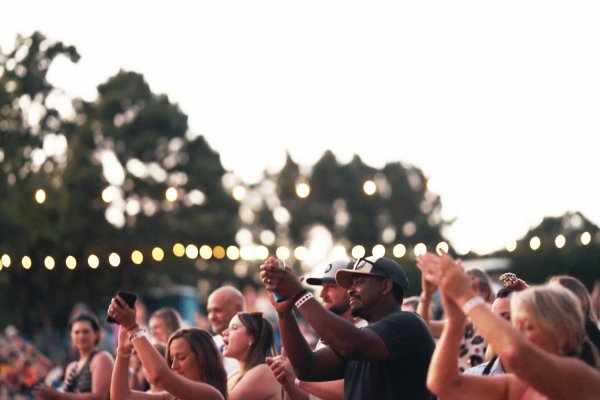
(497, 102)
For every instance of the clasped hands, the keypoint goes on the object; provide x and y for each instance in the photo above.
(449, 275)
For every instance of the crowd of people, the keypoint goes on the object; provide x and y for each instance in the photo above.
(522, 342)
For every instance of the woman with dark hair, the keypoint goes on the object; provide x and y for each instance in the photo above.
(249, 339)
(89, 377)
(192, 367)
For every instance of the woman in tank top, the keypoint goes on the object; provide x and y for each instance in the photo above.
(249, 339)
(89, 377)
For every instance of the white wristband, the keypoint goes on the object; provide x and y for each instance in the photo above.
(471, 304)
(297, 382)
(138, 334)
(303, 299)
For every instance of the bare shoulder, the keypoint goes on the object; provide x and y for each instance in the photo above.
(102, 358)
(259, 371)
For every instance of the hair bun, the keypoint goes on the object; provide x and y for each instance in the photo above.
(511, 281)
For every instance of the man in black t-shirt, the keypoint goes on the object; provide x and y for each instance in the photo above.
(386, 360)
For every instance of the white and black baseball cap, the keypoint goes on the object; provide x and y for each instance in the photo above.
(329, 271)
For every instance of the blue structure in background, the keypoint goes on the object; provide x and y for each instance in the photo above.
(182, 298)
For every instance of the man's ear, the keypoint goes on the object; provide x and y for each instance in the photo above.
(388, 286)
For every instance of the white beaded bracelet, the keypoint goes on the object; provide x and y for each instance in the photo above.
(138, 334)
(303, 299)
(471, 304)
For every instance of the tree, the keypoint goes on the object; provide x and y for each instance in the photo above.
(574, 258)
(143, 139)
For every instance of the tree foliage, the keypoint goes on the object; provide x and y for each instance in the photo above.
(574, 258)
(128, 144)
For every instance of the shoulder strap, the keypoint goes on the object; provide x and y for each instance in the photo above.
(70, 382)
(488, 367)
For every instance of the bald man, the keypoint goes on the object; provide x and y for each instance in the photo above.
(223, 304)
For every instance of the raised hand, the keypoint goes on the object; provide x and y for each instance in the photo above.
(282, 369)
(425, 263)
(121, 312)
(281, 281)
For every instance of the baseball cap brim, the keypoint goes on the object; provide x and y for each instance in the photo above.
(319, 281)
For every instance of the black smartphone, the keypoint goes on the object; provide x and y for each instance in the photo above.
(129, 298)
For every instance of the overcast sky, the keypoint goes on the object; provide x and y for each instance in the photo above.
(497, 102)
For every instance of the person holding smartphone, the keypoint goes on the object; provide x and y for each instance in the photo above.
(193, 368)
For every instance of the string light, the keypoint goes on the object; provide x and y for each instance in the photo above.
(282, 253)
(239, 193)
(586, 238)
(301, 253)
(233, 253)
(71, 262)
(511, 246)
(420, 249)
(535, 243)
(261, 252)
(205, 252)
(399, 250)
(158, 254)
(246, 253)
(6, 260)
(93, 261)
(49, 263)
(302, 190)
(40, 196)
(378, 250)
(171, 194)
(26, 262)
(369, 187)
(137, 257)
(442, 247)
(219, 252)
(114, 260)
(178, 250)
(560, 241)
(358, 251)
(191, 251)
